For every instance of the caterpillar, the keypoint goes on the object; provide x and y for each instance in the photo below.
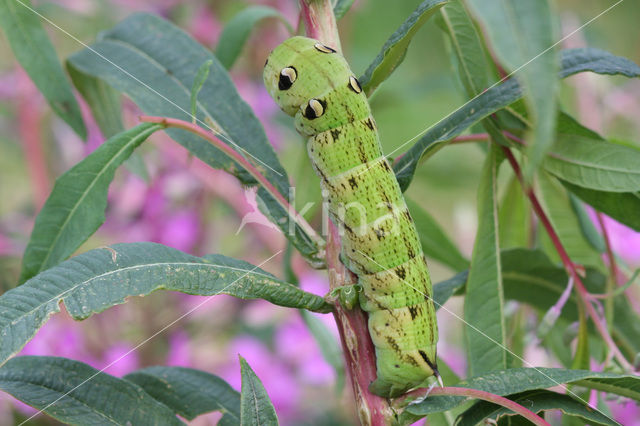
(314, 83)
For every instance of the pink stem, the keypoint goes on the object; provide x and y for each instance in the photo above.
(233, 154)
(568, 264)
(29, 115)
(479, 394)
(320, 22)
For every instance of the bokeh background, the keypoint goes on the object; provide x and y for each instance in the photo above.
(184, 204)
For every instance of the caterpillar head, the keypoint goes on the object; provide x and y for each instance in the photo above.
(308, 80)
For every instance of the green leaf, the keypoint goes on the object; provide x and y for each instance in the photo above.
(443, 290)
(105, 106)
(255, 405)
(467, 46)
(236, 32)
(198, 81)
(435, 242)
(536, 401)
(595, 164)
(189, 392)
(514, 216)
(589, 231)
(395, 48)
(438, 135)
(75, 208)
(555, 201)
(483, 303)
(494, 99)
(102, 99)
(616, 205)
(341, 7)
(522, 34)
(156, 66)
(530, 277)
(35, 52)
(100, 278)
(582, 358)
(75, 393)
(597, 61)
(516, 380)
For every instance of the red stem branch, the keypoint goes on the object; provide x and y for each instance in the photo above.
(570, 267)
(233, 154)
(479, 394)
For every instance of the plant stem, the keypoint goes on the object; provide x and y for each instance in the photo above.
(168, 122)
(570, 267)
(320, 22)
(478, 394)
(475, 137)
(30, 115)
(613, 273)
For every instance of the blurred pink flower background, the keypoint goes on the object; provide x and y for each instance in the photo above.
(190, 207)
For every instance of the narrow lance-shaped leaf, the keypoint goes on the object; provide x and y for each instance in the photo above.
(587, 227)
(395, 48)
(102, 99)
(522, 34)
(198, 81)
(341, 7)
(483, 303)
(614, 204)
(536, 401)
(467, 46)
(190, 392)
(496, 98)
(555, 202)
(516, 380)
(435, 243)
(514, 216)
(76, 393)
(595, 163)
(98, 279)
(236, 32)
(443, 290)
(154, 63)
(75, 208)
(106, 109)
(255, 406)
(35, 52)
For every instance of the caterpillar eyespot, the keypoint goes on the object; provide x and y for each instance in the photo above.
(287, 77)
(324, 49)
(354, 84)
(314, 109)
(380, 245)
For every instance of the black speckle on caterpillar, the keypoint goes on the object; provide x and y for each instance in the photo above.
(313, 83)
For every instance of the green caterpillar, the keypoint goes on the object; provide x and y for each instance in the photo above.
(313, 83)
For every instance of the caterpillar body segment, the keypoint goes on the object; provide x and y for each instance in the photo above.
(380, 244)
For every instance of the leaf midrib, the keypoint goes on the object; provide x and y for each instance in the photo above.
(146, 265)
(143, 135)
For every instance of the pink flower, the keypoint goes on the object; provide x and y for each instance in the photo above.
(120, 359)
(179, 349)
(275, 376)
(181, 231)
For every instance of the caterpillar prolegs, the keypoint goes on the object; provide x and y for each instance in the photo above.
(380, 245)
